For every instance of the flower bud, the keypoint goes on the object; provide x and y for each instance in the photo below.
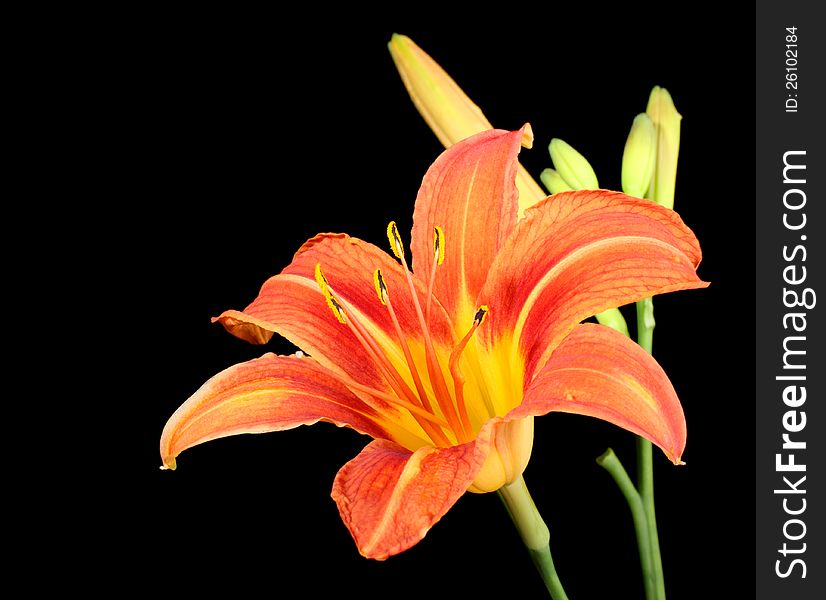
(553, 181)
(639, 157)
(572, 166)
(446, 108)
(666, 120)
(448, 111)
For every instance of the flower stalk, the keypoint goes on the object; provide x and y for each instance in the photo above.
(534, 533)
(639, 514)
(645, 460)
(666, 121)
(649, 169)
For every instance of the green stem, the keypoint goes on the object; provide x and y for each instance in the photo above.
(534, 533)
(645, 467)
(645, 323)
(611, 463)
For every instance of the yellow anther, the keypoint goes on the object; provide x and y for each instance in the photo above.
(336, 308)
(481, 313)
(321, 280)
(381, 288)
(439, 244)
(395, 240)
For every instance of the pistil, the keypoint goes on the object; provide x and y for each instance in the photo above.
(384, 297)
(438, 259)
(458, 378)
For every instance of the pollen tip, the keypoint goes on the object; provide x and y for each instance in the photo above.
(322, 282)
(439, 244)
(338, 311)
(381, 288)
(480, 315)
(395, 240)
(320, 279)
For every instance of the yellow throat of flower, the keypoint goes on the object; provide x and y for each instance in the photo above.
(448, 395)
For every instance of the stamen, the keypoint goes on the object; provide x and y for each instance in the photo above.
(384, 296)
(389, 398)
(395, 240)
(458, 378)
(328, 295)
(439, 244)
(437, 378)
(391, 375)
(438, 258)
(381, 288)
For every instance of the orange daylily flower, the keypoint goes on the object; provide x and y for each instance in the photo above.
(445, 361)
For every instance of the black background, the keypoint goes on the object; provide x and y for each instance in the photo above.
(253, 132)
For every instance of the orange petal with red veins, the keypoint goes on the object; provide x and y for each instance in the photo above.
(389, 497)
(470, 192)
(349, 264)
(292, 305)
(577, 254)
(601, 373)
(271, 393)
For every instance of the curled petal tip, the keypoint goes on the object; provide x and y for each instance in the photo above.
(675, 457)
(527, 136)
(169, 464)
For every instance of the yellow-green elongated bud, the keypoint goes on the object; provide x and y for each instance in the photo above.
(572, 166)
(553, 181)
(450, 113)
(639, 157)
(446, 108)
(666, 120)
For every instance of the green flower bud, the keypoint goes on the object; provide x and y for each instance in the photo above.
(572, 166)
(666, 120)
(553, 181)
(613, 318)
(639, 157)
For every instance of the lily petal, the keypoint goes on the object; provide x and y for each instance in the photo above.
(349, 264)
(470, 193)
(389, 497)
(577, 254)
(271, 393)
(292, 305)
(601, 373)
